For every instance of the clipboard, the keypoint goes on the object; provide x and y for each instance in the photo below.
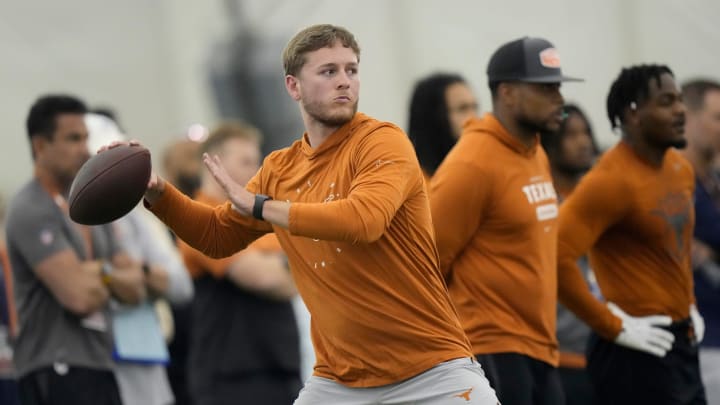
(137, 335)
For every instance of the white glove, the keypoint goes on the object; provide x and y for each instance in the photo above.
(643, 333)
(698, 323)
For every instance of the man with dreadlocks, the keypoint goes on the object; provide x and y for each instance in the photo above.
(633, 213)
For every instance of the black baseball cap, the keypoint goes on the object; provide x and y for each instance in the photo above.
(530, 60)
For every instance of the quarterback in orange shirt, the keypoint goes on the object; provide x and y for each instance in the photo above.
(349, 207)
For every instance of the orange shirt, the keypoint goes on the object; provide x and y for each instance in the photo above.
(494, 208)
(636, 221)
(360, 246)
(198, 264)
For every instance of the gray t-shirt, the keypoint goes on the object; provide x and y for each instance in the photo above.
(37, 228)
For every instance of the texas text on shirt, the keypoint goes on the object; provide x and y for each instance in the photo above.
(499, 258)
(636, 221)
(380, 309)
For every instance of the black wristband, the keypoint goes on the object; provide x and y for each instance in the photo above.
(258, 206)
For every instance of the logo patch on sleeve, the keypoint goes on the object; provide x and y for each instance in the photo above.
(46, 237)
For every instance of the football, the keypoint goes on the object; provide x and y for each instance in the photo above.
(109, 185)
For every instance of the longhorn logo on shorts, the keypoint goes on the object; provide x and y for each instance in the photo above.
(464, 395)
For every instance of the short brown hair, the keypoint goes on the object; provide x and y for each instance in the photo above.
(226, 131)
(313, 38)
(694, 92)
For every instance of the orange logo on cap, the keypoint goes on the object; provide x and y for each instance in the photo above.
(550, 58)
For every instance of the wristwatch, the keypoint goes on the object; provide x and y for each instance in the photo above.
(257, 211)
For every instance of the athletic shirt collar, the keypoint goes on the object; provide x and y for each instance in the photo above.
(627, 149)
(489, 124)
(48, 183)
(334, 139)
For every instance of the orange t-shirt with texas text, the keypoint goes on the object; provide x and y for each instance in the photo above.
(495, 211)
(636, 221)
(360, 245)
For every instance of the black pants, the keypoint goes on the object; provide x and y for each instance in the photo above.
(522, 380)
(256, 389)
(178, 348)
(8, 392)
(577, 386)
(625, 376)
(79, 386)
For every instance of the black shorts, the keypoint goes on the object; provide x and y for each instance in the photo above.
(77, 386)
(576, 385)
(257, 388)
(625, 376)
(522, 380)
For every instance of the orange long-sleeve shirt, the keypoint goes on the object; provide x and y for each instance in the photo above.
(636, 221)
(495, 209)
(198, 264)
(360, 247)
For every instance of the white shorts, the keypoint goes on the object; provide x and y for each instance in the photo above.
(459, 381)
